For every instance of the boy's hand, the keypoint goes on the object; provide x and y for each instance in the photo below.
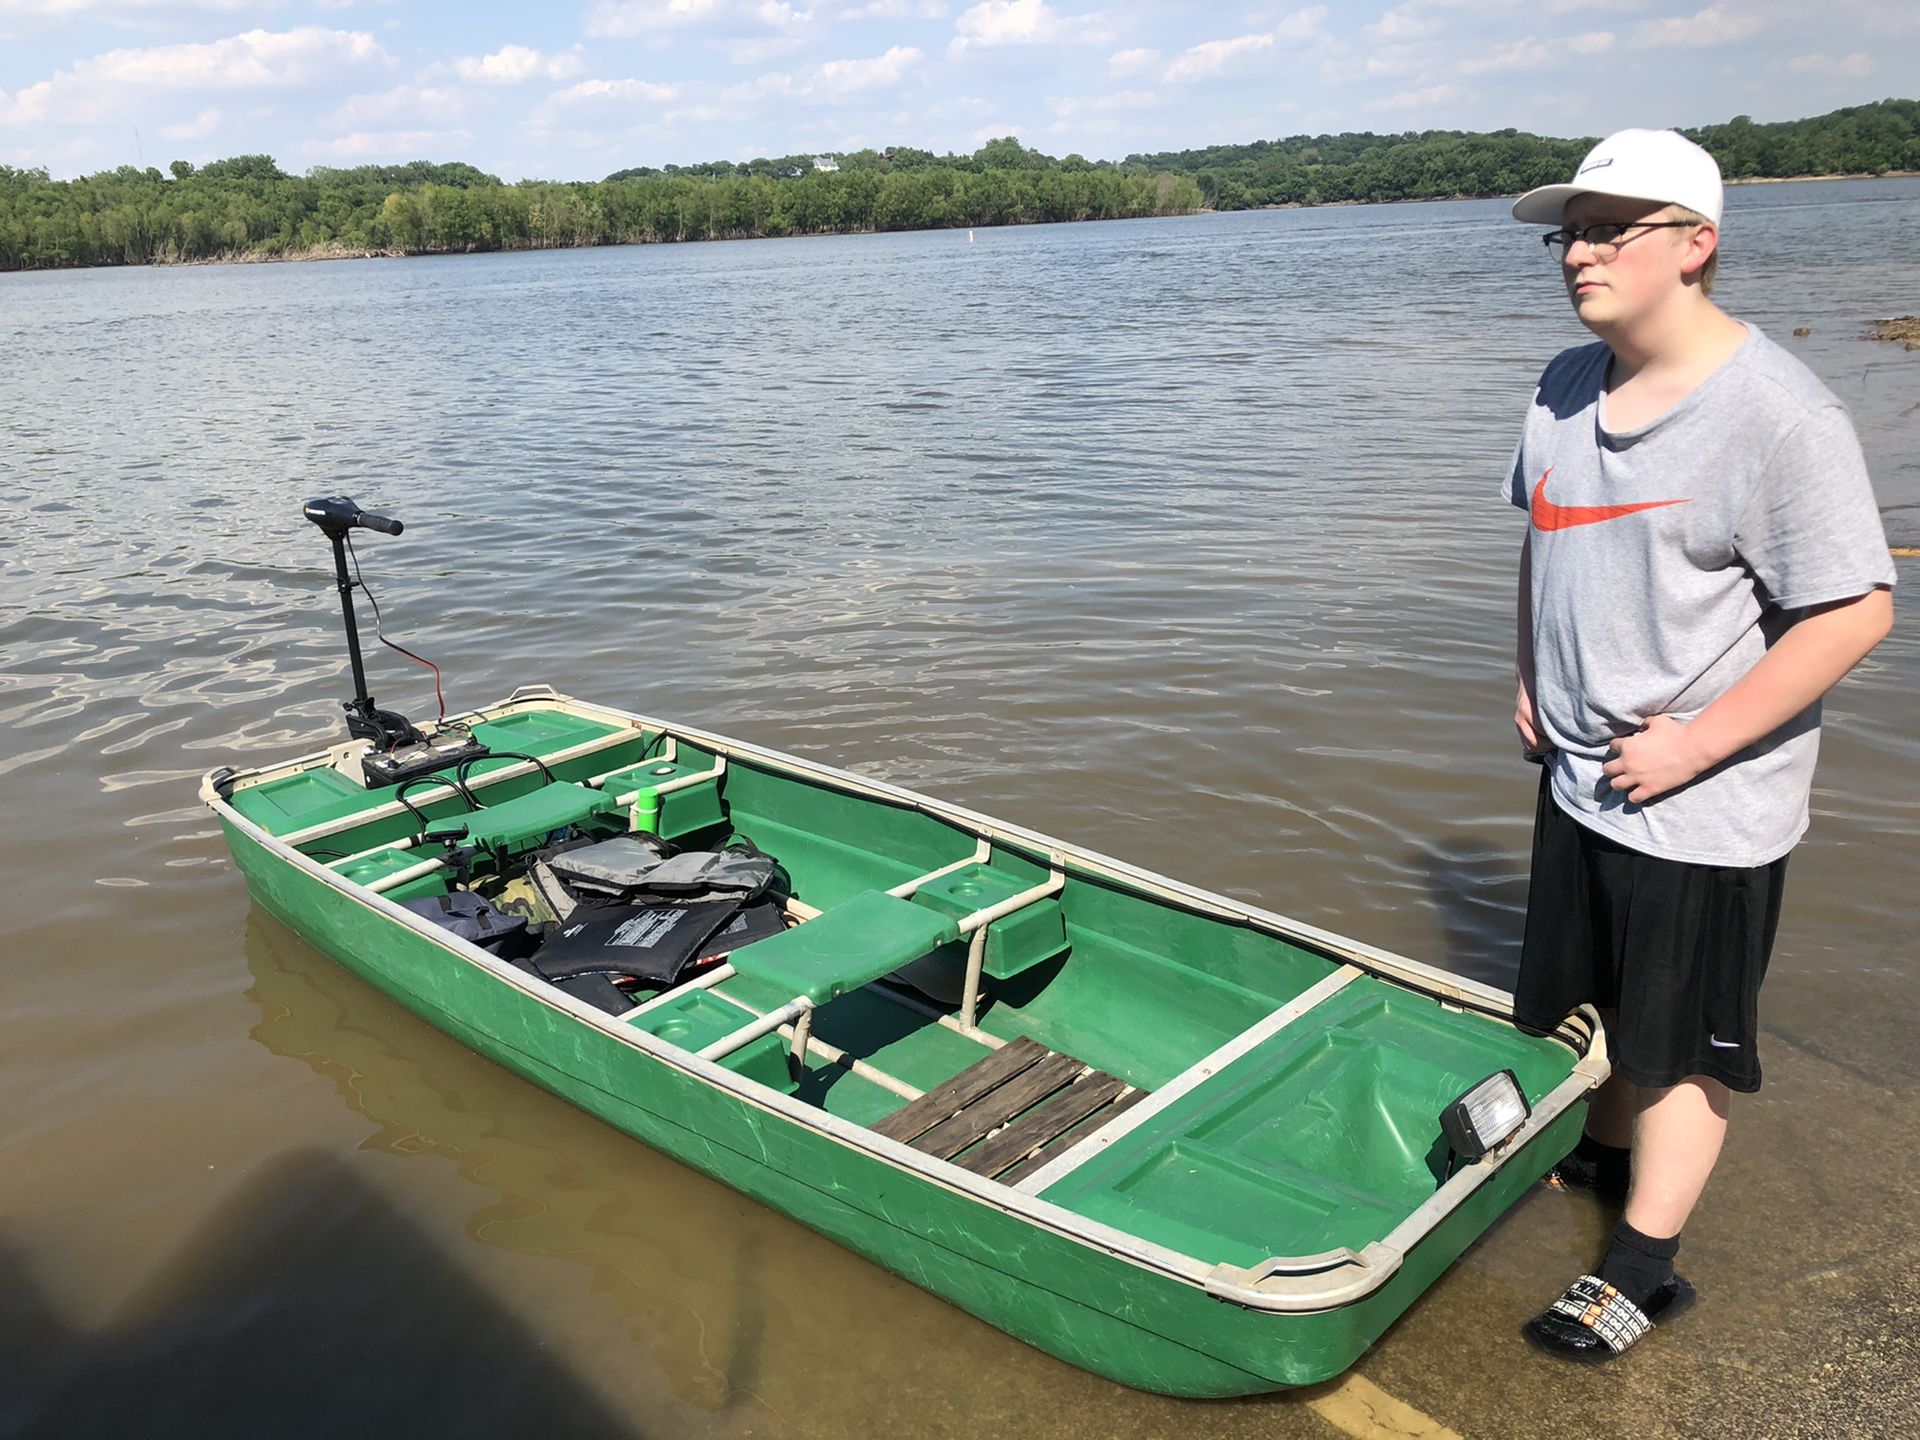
(1662, 757)
(1525, 721)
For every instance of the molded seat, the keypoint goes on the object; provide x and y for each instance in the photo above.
(526, 818)
(851, 945)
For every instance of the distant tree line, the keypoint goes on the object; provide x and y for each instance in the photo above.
(248, 207)
(1435, 164)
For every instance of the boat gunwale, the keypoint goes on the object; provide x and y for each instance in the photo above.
(1285, 1285)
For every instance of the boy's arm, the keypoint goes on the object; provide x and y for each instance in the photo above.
(1525, 719)
(1803, 664)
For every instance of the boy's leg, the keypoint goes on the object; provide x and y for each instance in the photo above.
(1614, 1107)
(1676, 1140)
(1602, 1160)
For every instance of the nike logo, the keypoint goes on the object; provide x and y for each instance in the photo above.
(1548, 516)
(1719, 1044)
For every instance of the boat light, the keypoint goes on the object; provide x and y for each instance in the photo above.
(1485, 1116)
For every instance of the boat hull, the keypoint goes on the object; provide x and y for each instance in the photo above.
(1090, 1308)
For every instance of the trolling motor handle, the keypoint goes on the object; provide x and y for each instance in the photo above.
(336, 514)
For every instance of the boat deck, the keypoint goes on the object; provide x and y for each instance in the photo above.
(1006, 1115)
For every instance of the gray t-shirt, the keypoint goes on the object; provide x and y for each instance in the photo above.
(1665, 561)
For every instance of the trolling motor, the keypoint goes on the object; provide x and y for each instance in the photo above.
(400, 750)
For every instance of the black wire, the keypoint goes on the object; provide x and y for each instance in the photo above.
(380, 635)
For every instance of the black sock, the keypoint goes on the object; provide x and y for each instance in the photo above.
(1636, 1264)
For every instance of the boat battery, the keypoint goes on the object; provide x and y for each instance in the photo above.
(406, 762)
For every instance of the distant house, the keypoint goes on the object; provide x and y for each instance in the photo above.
(825, 164)
(789, 172)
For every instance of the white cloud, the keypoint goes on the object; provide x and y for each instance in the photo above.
(836, 77)
(1211, 57)
(995, 23)
(1300, 25)
(515, 64)
(1132, 62)
(618, 19)
(56, 9)
(403, 102)
(1514, 55)
(1529, 53)
(1432, 95)
(259, 59)
(1118, 100)
(1855, 65)
(961, 107)
(198, 128)
(894, 10)
(1386, 63)
(1404, 22)
(840, 77)
(625, 19)
(600, 95)
(1715, 25)
(387, 144)
(256, 60)
(26, 106)
(1010, 22)
(591, 92)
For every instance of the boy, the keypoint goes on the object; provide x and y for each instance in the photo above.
(1703, 561)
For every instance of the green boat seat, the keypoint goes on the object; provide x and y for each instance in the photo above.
(853, 944)
(525, 818)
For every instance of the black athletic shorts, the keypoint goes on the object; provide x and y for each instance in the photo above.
(1678, 950)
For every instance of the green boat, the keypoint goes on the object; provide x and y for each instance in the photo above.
(1181, 1142)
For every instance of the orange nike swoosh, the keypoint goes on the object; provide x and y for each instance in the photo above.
(1549, 516)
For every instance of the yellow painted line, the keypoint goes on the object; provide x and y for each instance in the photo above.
(1905, 552)
(1356, 1406)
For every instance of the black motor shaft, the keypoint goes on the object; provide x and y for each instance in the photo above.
(336, 515)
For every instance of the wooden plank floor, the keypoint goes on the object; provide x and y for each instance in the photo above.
(1011, 1111)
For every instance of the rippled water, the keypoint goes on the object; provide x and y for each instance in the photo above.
(1179, 538)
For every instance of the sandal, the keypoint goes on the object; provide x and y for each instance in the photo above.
(1593, 1321)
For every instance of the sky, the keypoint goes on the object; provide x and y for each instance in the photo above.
(575, 89)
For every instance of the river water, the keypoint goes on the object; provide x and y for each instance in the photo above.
(1179, 538)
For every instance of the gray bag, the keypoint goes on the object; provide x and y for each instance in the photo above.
(612, 869)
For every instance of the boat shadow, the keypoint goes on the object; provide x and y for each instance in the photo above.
(305, 1305)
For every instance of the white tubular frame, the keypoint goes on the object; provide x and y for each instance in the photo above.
(718, 975)
(975, 927)
(402, 877)
(753, 1030)
(683, 782)
(666, 757)
(982, 852)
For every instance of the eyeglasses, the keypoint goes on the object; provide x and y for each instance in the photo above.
(1604, 240)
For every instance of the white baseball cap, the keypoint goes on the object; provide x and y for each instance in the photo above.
(1662, 166)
